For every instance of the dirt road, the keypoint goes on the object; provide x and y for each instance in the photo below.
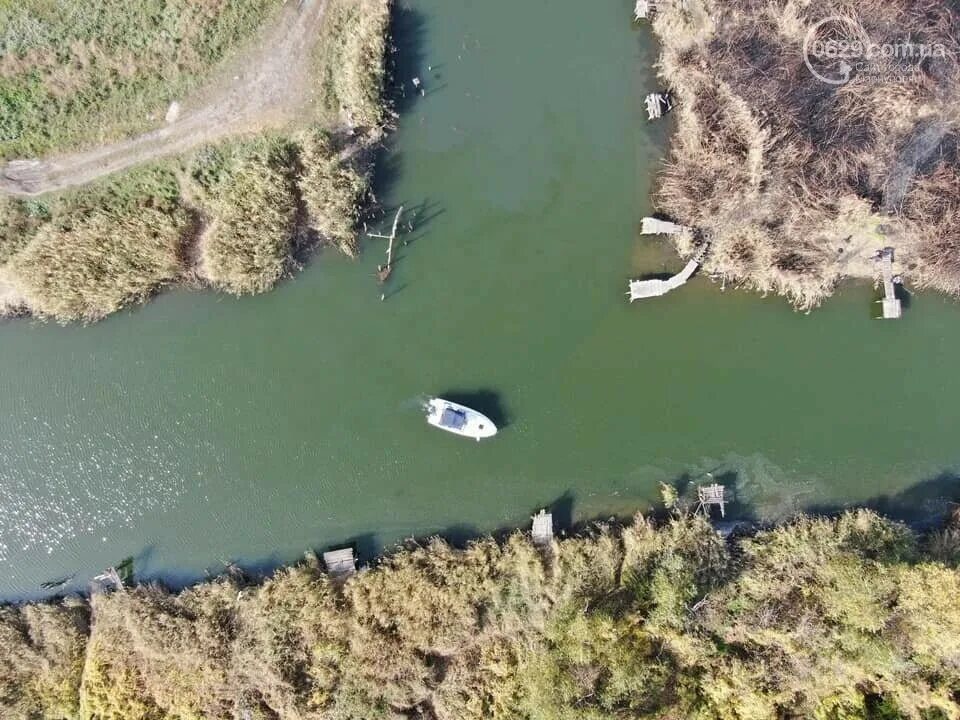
(266, 88)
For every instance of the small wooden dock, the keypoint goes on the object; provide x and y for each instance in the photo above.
(340, 563)
(658, 104)
(643, 9)
(710, 495)
(644, 289)
(892, 306)
(542, 531)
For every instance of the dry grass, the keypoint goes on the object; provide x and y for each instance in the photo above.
(41, 660)
(231, 216)
(844, 618)
(334, 189)
(250, 197)
(99, 250)
(351, 62)
(797, 182)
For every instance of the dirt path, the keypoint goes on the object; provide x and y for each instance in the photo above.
(267, 88)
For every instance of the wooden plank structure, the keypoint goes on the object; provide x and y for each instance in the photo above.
(654, 226)
(643, 9)
(892, 307)
(644, 289)
(658, 104)
(340, 563)
(542, 531)
(711, 495)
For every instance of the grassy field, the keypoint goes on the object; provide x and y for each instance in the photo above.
(852, 618)
(795, 181)
(75, 73)
(233, 216)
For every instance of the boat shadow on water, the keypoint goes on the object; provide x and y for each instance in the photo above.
(488, 402)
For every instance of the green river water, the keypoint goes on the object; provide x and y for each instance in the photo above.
(201, 428)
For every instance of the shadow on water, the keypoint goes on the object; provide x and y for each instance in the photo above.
(407, 60)
(408, 34)
(488, 402)
(924, 506)
(904, 296)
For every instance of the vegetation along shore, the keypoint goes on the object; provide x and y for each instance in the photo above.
(797, 177)
(851, 617)
(148, 144)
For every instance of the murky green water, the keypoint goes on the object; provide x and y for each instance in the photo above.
(201, 428)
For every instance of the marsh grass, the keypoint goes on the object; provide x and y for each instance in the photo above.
(41, 660)
(818, 618)
(350, 62)
(251, 199)
(89, 253)
(74, 72)
(791, 178)
(334, 185)
(233, 216)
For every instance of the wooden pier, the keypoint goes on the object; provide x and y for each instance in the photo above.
(542, 532)
(658, 104)
(643, 9)
(892, 307)
(644, 289)
(340, 563)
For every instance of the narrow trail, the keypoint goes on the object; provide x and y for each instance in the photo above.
(266, 88)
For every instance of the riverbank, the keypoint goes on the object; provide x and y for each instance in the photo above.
(851, 617)
(233, 213)
(797, 175)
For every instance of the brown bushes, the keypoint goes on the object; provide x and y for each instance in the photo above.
(105, 247)
(233, 217)
(777, 167)
(41, 660)
(251, 200)
(845, 618)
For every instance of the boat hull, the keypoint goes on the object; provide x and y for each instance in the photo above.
(459, 419)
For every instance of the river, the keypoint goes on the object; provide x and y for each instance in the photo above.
(201, 428)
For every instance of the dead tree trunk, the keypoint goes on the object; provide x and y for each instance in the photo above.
(383, 271)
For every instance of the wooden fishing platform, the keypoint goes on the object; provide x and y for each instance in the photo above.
(658, 104)
(644, 289)
(340, 563)
(710, 495)
(892, 306)
(542, 531)
(643, 9)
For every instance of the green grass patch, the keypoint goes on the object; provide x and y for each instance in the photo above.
(75, 72)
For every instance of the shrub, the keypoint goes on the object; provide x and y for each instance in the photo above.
(105, 247)
(251, 203)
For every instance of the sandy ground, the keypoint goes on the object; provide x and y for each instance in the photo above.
(266, 88)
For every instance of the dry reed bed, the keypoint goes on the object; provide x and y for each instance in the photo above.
(854, 617)
(798, 182)
(235, 217)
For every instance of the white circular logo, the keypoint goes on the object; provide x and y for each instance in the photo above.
(830, 53)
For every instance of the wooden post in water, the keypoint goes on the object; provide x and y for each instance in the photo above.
(383, 271)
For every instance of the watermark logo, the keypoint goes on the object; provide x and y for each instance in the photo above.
(837, 50)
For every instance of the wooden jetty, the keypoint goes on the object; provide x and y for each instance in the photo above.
(644, 289)
(710, 495)
(658, 104)
(542, 532)
(340, 563)
(654, 226)
(892, 307)
(643, 9)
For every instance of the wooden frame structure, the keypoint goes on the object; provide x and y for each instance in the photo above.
(710, 495)
(542, 531)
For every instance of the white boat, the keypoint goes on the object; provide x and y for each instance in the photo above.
(459, 419)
